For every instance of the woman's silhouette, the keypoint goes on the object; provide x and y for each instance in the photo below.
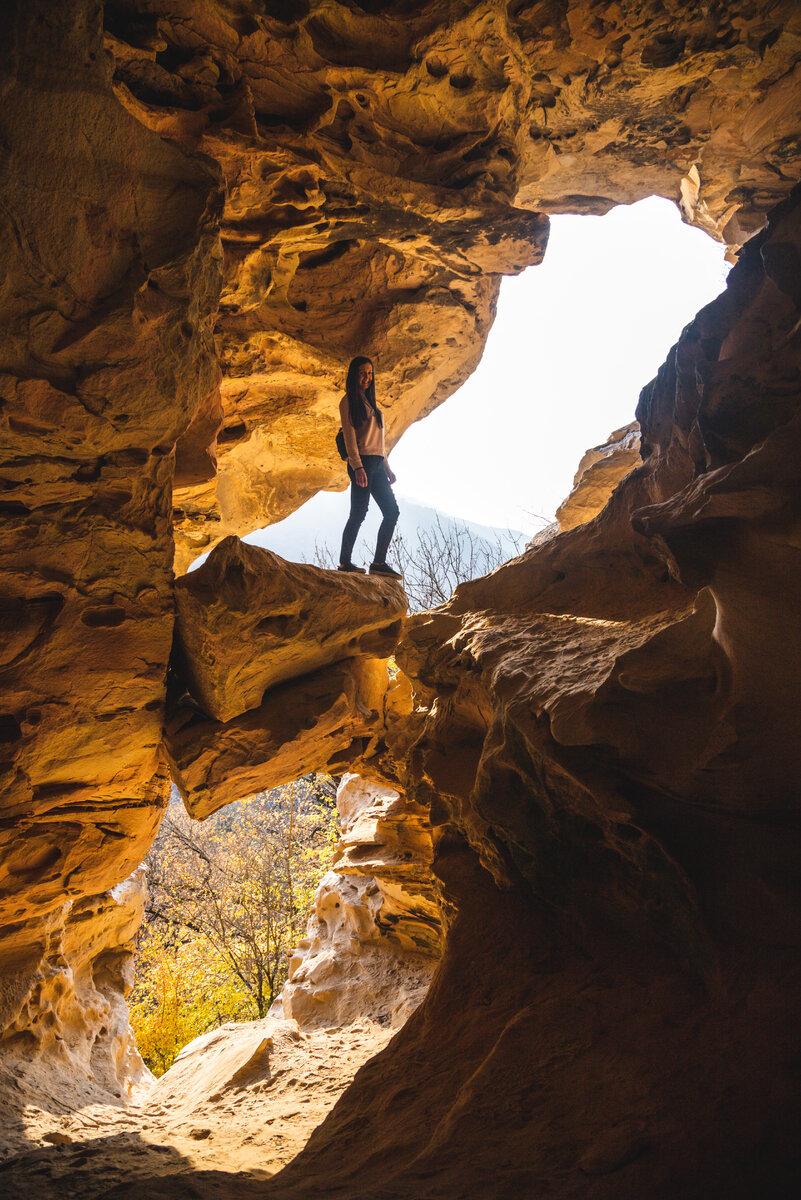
(370, 473)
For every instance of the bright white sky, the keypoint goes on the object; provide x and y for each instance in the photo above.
(573, 343)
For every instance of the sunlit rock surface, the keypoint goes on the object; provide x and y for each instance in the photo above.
(247, 620)
(387, 162)
(66, 1040)
(324, 721)
(108, 240)
(374, 934)
(237, 1105)
(599, 472)
(605, 732)
(386, 837)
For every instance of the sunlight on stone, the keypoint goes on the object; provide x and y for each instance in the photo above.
(551, 947)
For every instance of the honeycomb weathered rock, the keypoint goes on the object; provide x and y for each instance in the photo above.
(386, 163)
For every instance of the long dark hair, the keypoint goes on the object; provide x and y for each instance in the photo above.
(356, 406)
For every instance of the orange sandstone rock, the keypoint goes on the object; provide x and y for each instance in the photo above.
(247, 620)
(108, 240)
(374, 934)
(599, 472)
(322, 722)
(605, 731)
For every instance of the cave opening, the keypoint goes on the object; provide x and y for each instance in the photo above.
(302, 921)
(574, 340)
(236, 902)
(228, 900)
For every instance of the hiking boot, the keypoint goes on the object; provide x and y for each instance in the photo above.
(351, 568)
(385, 569)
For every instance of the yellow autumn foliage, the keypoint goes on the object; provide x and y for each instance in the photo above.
(229, 899)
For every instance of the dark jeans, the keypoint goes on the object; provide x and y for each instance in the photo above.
(379, 487)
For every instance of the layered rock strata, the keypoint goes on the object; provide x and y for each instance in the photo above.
(386, 837)
(599, 472)
(374, 934)
(246, 620)
(387, 163)
(108, 239)
(279, 669)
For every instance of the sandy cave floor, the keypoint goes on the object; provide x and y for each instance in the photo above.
(235, 1108)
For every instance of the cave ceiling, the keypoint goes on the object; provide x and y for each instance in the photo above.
(387, 163)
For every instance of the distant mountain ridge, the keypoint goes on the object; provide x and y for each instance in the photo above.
(320, 521)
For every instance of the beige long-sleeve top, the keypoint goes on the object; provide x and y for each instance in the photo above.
(367, 439)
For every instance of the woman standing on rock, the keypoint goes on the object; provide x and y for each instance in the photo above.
(370, 473)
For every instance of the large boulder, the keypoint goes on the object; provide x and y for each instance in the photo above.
(325, 721)
(279, 669)
(247, 620)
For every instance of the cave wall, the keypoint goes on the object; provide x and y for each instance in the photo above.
(374, 934)
(109, 243)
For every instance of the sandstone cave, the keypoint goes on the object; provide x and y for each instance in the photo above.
(576, 801)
